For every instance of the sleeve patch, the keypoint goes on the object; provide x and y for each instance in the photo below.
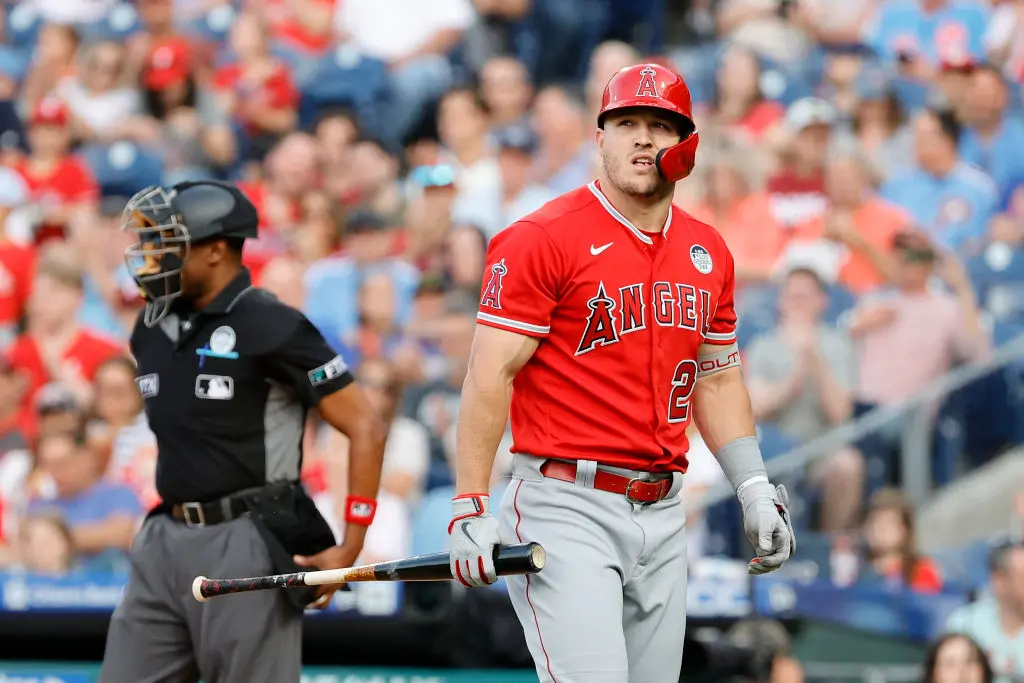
(333, 368)
(492, 292)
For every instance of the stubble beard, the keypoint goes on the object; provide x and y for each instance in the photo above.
(649, 189)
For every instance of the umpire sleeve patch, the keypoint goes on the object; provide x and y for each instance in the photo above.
(333, 368)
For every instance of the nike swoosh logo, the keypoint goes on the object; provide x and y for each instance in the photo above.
(594, 251)
(465, 531)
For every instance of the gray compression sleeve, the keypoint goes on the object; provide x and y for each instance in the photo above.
(743, 465)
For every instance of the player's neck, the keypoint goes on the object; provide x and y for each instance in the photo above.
(648, 215)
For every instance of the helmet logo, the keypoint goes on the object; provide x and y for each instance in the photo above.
(647, 87)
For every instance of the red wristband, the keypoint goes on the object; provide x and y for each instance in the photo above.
(359, 510)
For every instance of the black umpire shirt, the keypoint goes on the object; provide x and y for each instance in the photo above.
(227, 390)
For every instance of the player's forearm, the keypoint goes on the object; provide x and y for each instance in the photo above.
(722, 408)
(725, 419)
(483, 414)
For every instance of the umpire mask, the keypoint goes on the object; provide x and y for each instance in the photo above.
(156, 260)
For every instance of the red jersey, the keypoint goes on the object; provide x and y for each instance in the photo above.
(16, 266)
(621, 316)
(71, 182)
(87, 350)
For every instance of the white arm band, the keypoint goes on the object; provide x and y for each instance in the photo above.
(722, 358)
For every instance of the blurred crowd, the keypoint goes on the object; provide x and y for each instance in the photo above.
(863, 161)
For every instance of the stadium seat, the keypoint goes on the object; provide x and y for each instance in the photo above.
(123, 168)
(22, 26)
(345, 77)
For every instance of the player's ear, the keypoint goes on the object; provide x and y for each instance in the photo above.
(599, 138)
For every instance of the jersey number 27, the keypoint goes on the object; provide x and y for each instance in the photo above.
(684, 380)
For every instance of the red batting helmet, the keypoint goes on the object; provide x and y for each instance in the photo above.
(653, 85)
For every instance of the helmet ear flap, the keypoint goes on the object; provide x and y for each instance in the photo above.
(676, 162)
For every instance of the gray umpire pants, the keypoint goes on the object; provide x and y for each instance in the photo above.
(160, 634)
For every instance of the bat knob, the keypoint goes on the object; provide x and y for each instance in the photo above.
(197, 589)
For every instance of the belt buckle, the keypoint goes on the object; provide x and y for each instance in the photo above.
(629, 491)
(200, 516)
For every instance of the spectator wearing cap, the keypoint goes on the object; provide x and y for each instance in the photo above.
(185, 122)
(103, 516)
(60, 184)
(58, 410)
(566, 154)
(797, 189)
(992, 138)
(950, 199)
(517, 196)
(914, 333)
(733, 202)
(462, 125)
(506, 89)
(855, 235)
(332, 284)
(100, 100)
(54, 347)
(16, 259)
(256, 89)
(415, 49)
(738, 106)
(878, 123)
(996, 620)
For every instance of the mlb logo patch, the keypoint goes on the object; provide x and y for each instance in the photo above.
(215, 387)
(148, 385)
(701, 259)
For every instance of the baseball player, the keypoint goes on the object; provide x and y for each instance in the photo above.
(606, 323)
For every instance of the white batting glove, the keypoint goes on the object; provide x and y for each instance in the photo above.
(474, 534)
(769, 528)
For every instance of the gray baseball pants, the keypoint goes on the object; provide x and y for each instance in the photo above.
(610, 604)
(160, 634)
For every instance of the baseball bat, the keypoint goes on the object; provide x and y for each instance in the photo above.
(525, 558)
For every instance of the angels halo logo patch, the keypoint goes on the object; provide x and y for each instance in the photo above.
(701, 259)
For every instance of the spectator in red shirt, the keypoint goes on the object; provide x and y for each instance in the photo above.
(303, 26)
(257, 89)
(54, 348)
(891, 546)
(59, 183)
(16, 260)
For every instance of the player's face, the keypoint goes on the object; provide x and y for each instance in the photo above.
(629, 143)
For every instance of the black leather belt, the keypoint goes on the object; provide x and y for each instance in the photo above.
(208, 514)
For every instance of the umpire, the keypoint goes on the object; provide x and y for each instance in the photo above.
(228, 373)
